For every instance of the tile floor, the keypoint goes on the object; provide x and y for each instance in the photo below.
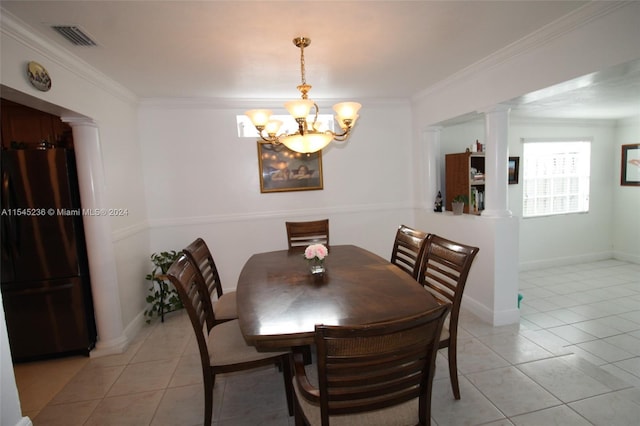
(574, 359)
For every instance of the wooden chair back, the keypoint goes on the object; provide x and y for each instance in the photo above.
(199, 254)
(302, 234)
(222, 347)
(370, 367)
(444, 271)
(408, 249)
(192, 291)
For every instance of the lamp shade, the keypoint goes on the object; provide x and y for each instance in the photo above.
(347, 110)
(299, 108)
(308, 143)
(259, 117)
(273, 126)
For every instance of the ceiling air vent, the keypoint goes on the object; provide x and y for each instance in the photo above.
(75, 35)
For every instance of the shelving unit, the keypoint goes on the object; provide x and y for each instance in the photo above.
(464, 173)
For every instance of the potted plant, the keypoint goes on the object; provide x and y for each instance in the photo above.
(458, 203)
(163, 298)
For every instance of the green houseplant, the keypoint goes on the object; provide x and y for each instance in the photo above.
(458, 203)
(163, 298)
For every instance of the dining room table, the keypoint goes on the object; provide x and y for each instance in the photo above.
(279, 301)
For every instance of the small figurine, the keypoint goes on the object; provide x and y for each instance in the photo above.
(438, 203)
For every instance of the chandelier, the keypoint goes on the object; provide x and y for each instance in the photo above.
(308, 138)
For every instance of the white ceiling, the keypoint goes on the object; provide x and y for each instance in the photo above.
(360, 49)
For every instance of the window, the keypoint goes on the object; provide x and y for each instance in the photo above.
(556, 177)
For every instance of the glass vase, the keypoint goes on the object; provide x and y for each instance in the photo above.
(316, 267)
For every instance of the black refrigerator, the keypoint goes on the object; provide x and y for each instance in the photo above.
(46, 289)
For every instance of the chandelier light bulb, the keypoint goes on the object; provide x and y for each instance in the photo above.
(259, 117)
(347, 110)
(273, 126)
(343, 125)
(299, 108)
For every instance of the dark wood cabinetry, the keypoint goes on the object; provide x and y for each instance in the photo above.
(27, 127)
(464, 174)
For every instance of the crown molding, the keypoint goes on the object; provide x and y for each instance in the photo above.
(558, 28)
(11, 26)
(244, 104)
(563, 121)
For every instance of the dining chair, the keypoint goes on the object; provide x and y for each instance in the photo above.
(222, 347)
(302, 234)
(224, 304)
(408, 248)
(444, 271)
(375, 374)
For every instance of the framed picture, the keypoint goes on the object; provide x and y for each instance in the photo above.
(284, 170)
(514, 167)
(630, 169)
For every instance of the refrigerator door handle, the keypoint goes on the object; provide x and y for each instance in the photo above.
(9, 220)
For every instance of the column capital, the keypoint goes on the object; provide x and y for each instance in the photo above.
(79, 121)
(495, 109)
(434, 129)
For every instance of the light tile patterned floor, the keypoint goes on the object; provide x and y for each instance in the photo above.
(574, 359)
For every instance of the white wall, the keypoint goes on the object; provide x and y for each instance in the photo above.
(10, 412)
(203, 180)
(78, 90)
(570, 242)
(626, 199)
(575, 238)
(596, 37)
(368, 184)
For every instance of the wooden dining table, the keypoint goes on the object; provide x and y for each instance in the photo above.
(279, 302)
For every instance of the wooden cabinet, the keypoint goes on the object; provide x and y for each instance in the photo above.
(29, 127)
(464, 174)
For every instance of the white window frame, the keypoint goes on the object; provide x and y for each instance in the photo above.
(556, 177)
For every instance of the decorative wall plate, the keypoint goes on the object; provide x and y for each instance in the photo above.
(38, 76)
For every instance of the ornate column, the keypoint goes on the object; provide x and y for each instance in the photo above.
(432, 167)
(496, 161)
(102, 262)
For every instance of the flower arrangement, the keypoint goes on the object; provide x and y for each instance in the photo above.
(315, 255)
(316, 252)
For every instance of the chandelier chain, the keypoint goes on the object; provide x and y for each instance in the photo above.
(302, 71)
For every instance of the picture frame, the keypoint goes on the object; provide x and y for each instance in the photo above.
(282, 169)
(630, 165)
(514, 168)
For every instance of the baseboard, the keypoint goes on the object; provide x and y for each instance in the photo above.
(564, 261)
(25, 421)
(478, 309)
(627, 257)
(109, 347)
(511, 316)
(134, 327)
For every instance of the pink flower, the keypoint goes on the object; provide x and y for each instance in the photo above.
(314, 251)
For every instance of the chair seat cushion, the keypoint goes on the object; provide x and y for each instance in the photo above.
(226, 346)
(444, 335)
(225, 307)
(398, 415)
